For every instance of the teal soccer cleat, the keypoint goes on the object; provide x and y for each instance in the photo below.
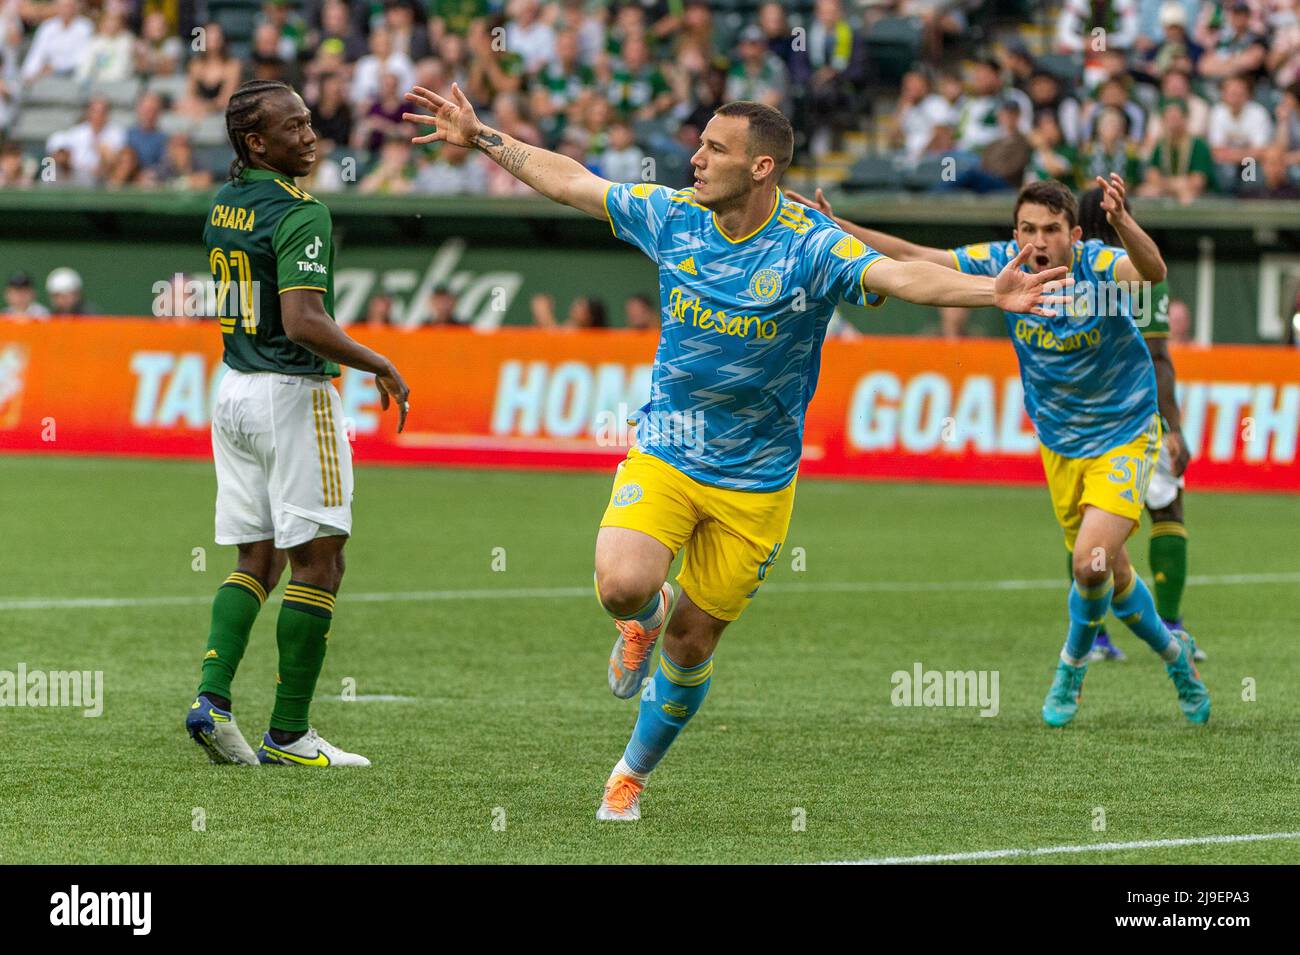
(1063, 698)
(1193, 697)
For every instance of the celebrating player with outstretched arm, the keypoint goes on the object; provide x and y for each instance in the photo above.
(284, 466)
(1091, 392)
(748, 282)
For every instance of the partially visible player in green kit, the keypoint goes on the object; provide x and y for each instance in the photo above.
(1167, 550)
(284, 466)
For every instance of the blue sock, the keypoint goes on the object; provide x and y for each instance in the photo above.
(1137, 608)
(667, 705)
(1087, 611)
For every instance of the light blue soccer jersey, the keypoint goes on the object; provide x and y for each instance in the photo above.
(1088, 378)
(742, 328)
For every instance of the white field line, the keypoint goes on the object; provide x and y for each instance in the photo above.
(553, 593)
(1062, 850)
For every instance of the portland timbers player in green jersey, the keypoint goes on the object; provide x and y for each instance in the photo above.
(284, 466)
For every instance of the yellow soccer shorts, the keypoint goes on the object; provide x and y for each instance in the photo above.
(731, 538)
(1115, 481)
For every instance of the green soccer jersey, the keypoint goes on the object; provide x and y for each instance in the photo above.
(265, 236)
(1157, 324)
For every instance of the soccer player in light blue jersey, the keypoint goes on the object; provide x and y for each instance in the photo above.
(1091, 392)
(748, 282)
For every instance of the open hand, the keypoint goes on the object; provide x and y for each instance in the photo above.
(1030, 293)
(454, 120)
(821, 205)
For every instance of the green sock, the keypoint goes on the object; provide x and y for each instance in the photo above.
(1168, 556)
(234, 609)
(300, 633)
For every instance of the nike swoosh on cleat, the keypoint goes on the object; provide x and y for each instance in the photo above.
(320, 759)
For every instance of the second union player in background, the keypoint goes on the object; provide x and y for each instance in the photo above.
(284, 467)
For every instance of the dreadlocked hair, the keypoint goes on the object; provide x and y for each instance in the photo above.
(1092, 217)
(246, 113)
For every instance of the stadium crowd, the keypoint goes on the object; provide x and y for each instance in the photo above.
(1185, 97)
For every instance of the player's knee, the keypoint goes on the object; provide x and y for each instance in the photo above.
(622, 592)
(1091, 570)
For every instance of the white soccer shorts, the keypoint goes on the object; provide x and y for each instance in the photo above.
(1164, 487)
(284, 465)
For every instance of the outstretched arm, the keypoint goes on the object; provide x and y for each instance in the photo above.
(882, 242)
(1144, 262)
(557, 177)
(1013, 290)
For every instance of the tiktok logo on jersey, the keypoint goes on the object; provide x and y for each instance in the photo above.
(313, 249)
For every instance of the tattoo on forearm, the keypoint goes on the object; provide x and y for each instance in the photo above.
(510, 158)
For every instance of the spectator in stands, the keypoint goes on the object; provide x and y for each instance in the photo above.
(391, 175)
(1053, 157)
(1175, 43)
(1240, 131)
(109, 56)
(379, 311)
(837, 65)
(1282, 159)
(1113, 93)
(1017, 65)
(622, 159)
(453, 171)
(1180, 322)
(20, 298)
(978, 123)
(58, 43)
(917, 113)
(757, 74)
(336, 24)
(331, 113)
(492, 67)
(560, 84)
(588, 21)
(289, 29)
(1177, 84)
(63, 289)
(529, 36)
(267, 56)
(640, 313)
(1109, 150)
(382, 119)
(941, 20)
(1004, 160)
(92, 144)
(775, 25)
(408, 35)
(1181, 166)
(211, 75)
(16, 172)
(1079, 18)
(693, 39)
(1234, 49)
(380, 61)
(178, 170)
(1283, 60)
(584, 312)
(639, 90)
(158, 50)
(146, 145)
(442, 308)
(1045, 93)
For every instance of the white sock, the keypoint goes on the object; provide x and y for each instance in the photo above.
(1071, 660)
(1173, 651)
(623, 769)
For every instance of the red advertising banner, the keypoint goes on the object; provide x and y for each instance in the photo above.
(901, 408)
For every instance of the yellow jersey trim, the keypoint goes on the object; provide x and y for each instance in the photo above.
(862, 282)
(772, 215)
(311, 288)
(605, 203)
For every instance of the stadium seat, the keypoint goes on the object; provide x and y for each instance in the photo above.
(36, 124)
(214, 158)
(211, 130)
(892, 47)
(1067, 67)
(170, 123)
(54, 91)
(172, 87)
(873, 172)
(125, 93)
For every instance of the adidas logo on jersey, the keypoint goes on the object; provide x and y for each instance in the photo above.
(687, 265)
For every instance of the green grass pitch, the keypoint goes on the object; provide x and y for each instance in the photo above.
(510, 722)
